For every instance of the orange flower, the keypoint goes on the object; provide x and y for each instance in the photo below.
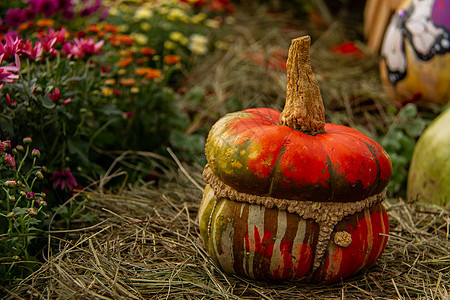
(153, 74)
(111, 28)
(45, 23)
(143, 71)
(110, 81)
(118, 39)
(125, 62)
(147, 51)
(94, 28)
(127, 81)
(171, 59)
(25, 26)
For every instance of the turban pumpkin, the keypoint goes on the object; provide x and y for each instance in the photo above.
(289, 196)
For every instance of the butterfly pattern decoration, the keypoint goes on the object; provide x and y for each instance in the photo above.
(426, 25)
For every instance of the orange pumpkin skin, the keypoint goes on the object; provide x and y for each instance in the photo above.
(271, 244)
(251, 153)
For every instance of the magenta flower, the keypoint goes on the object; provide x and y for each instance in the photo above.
(56, 97)
(10, 160)
(83, 46)
(63, 179)
(2, 147)
(65, 4)
(14, 17)
(28, 14)
(46, 7)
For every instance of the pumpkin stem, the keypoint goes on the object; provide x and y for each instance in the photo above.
(304, 110)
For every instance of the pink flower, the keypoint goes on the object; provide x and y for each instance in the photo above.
(63, 179)
(6, 74)
(56, 97)
(10, 160)
(32, 52)
(11, 46)
(83, 46)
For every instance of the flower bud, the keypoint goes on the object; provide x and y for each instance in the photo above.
(10, 214)
(31, 195)
(7, 144)
(27, 140)
(32, 212)
(39, 175)
(35, 153)
(41, 202)
(10, 183)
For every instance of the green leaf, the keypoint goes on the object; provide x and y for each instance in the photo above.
(408, 112)
(47, 102)
(416, 128)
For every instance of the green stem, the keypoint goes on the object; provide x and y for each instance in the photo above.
(23, 159)
(91, 140)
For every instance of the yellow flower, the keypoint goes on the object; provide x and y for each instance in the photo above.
(134, 90)
(143, 13)
(198, 44)
(176, 36)
(145, 26)
(198, 18)
(123, 28)
(140, 38)
(113, 11)
(169, 45)
(163, 10)
(107, 92)
(177, 14)
(211, 23)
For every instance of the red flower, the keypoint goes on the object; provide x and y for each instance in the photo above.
(11, 103)
(63, 179)
(348, 48)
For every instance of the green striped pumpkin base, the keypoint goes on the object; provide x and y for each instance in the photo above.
(278, 243)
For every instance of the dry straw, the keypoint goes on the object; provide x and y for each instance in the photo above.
(147, 246)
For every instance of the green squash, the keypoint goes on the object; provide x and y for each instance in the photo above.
(429, 173)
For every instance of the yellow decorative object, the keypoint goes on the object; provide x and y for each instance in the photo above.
(415, 55)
